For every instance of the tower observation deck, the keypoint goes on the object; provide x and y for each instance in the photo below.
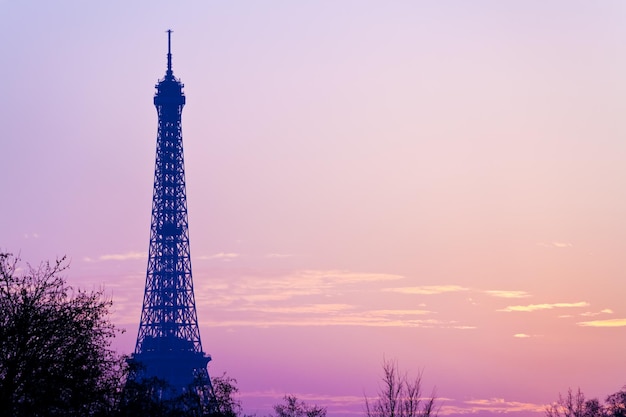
(168, 341)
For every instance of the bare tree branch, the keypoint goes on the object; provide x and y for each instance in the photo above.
(400, 396)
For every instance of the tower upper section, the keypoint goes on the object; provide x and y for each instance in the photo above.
(169, 88)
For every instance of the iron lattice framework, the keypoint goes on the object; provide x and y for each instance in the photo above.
(168, 342)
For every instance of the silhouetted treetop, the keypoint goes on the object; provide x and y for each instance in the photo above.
(55, 355)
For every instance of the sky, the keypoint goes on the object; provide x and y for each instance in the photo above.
(440, 183)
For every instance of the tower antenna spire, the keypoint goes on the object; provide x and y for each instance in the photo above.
(169, 52)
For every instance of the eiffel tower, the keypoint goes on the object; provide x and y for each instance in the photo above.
(168, 342)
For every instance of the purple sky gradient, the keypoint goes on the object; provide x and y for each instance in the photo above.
(439, 182)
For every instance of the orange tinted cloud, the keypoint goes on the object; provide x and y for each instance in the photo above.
(603, 323)
(547, 306)
(428, 289)
(508, 294)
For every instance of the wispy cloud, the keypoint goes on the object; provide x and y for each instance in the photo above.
(597, 313)
(315, 298)
(427, 289)
(348, 277)
(537, 307)
(360, 319)
(492, 405)
(222, 255)
(128, 256)
(555, 244)
(344, 403)
(278, 255)
(400, 312)
(507, 294)
(255, 290)
(521, 335)
(302, 309)
(603, 323)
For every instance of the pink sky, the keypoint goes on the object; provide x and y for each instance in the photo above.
(439, 182)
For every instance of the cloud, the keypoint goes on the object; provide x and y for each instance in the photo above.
(326, 314)
(555, 245)
(345, 403)
(357, 319)
(492, 405)
(316, 298)
(278, 255)
(521, 335)
(603, 323)
(222, 255)
(536, 307)
(256, 290)
(562, 244)
(347, 277)
(128, 256)
(507, 294)
(400, 312)
(303, 309)
(427, 289)
(593, 314)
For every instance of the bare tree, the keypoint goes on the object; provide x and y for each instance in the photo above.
(400, 396)
(574, 404)
(297, 408)
(55, 355)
